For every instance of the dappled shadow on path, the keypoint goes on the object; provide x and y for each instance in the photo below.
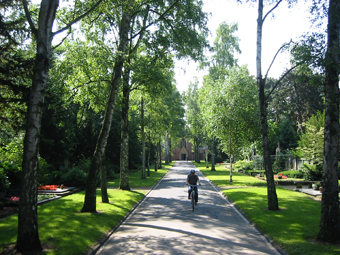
(165, 223)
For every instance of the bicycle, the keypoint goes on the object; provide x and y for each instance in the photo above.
(192, 194)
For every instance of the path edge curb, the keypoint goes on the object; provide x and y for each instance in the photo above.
(268, 239)
(99, 244)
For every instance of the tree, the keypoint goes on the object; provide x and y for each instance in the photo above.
(329, 222)
(28, 236)
(273, 203)
(193, 116)
(299, 96)
(151, 72)
(224, 48)
(238, 118)
(231, 104)
(311, 143)
(97, 159)
(178, 14)
(15, 71)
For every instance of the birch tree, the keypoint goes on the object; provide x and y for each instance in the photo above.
(170, 19)
(42, 34)
(329, 223)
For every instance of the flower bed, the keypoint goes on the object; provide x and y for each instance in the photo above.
(51, 187)
(280, 176)
(14, 199)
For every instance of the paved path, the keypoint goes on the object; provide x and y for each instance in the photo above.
(164, 223)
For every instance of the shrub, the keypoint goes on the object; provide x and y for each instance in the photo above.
(292, 174)
(244, 165)
(4, 182)
(13, 172)
(45, 172)
(111, 171)
(312, 172)
(75, 177)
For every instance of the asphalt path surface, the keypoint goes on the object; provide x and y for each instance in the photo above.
(164, 223)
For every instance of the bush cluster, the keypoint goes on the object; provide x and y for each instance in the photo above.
(292, 174)
(244, 165)
(312, 172)
(10, 175)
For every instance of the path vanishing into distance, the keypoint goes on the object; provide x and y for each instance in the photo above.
(164, 223)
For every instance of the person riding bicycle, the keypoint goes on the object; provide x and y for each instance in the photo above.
(192, 179)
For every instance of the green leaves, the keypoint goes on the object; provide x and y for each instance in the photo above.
(229, 108)
(311, 143)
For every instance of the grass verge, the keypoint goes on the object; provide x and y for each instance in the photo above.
(63, 230)
(221, 177)
(294, 227)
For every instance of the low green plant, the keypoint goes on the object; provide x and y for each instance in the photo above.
(244, 165)
(4, 182)
(292, 173)
(13, 173)
(312, 172)
(75, 177)
(42, 197)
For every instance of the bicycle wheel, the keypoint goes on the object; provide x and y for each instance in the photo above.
(193, 200)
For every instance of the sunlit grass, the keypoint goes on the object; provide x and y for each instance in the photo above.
(294, 227)
(221, 177)
(66, 231)
(136, 181)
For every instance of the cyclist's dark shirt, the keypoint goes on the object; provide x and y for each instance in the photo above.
(192, 179)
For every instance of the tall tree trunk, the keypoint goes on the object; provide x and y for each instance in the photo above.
(159, 148)
(143, 139)
(273, 203)
(166, 148)
(124, 148)
(213, 147)
(197, 152)
(149, 153)
(170, 150)
(28, 235)
(90, 192)
(103, 186)
(156, 160)
(329, 223)
(206, 156)
(231, 158)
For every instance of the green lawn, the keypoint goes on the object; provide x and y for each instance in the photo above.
(221, 177)
(64, 230)
(294, 227)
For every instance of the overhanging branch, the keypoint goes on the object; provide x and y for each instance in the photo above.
(272, 9)
(282, 77)
(277, 53)
(77, 19)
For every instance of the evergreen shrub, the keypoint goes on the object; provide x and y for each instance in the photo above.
(75, 177)
(13, 173)
(312, 172)
(244, 165)
(4, 182)
(292, 173)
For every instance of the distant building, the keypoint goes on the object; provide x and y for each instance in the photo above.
(185, 151)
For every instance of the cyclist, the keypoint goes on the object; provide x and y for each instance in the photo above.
(192, 179)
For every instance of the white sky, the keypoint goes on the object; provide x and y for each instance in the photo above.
(285, 25)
